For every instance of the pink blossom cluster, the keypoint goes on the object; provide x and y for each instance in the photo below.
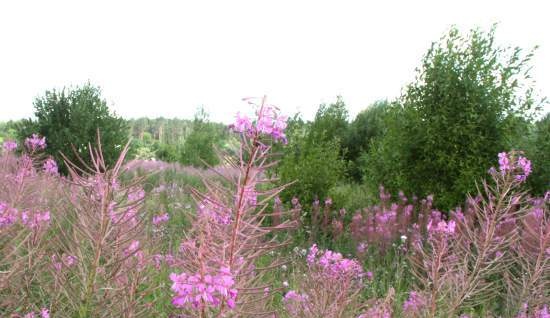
(8, 215)
(414, 305)
(44, 313)
(296, 303)
(383, 224)
(204, 290)
(36, 219)
(161, 218)
(213, 210)
(35, 143)
(333, 264)
(9, 145)
(521, 166)
(541, 312)
(268, 123)
(377, 311)
(65, 261)
(50, 167)
(250, 196)
(168, 259)
(129, 215)
(441, 227)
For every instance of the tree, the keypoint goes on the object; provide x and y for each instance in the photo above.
(465, 106)
(539, 153)
(73, 116)
(198, 149)
(314, 156)
(366, 126)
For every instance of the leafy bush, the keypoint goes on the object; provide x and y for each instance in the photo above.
(73, 117)
(198, 149)
(539, 151)
(313, 158)
(367, 125)
(462, 109)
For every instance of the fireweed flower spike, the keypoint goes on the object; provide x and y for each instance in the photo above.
(50, 167)
(9, 146)
(35, 143)
(218, 264)
(513, 164)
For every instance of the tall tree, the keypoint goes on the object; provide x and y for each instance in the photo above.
(465, 106)
(72, 117)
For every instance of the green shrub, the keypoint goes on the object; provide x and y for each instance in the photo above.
(465, 106)
(73, 116)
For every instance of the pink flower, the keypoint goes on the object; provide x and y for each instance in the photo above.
(45, 313)
(9, 145)
(242, 124)
(8, 215)
(162, 218)
(198, 291)
(34, 142)
(50, 167)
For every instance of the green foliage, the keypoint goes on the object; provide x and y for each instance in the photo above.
(198, 149)
(313, 157)
(539, 153)
(331, 122)
(350, 196)
(366, 126)
(72, 116)
(8, 130)
(463, 109)
(166, 152)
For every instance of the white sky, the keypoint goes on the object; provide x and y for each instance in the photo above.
(165, 58)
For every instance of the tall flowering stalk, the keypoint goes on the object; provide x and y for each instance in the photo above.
(27, 196)
(329, 286)
(461, 262)
(102, 261)
(219, 257)
(528, 281)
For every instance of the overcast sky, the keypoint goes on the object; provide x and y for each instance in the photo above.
(165, 58)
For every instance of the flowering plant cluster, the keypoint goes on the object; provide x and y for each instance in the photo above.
(35, 143)
(204, 290)
(268, 122)
(228, 228)
(330, 286)
(514, 164)
(501, 236)
(9, 146)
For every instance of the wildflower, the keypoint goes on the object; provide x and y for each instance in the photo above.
(9, 145)
(242, 124)
(283, 267)
(134, 246)
(34, 142)
(415, 303)
(312, 254)
(35, 220)
(200, 291)
(50, 167)
(217, 212)
(370, 275)
(362, 247)
(403, 238)
(162, 218)
(8, 215)
(295, 302)
(45, 313)
(285, 284)
(442, 227)
(525, 165)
